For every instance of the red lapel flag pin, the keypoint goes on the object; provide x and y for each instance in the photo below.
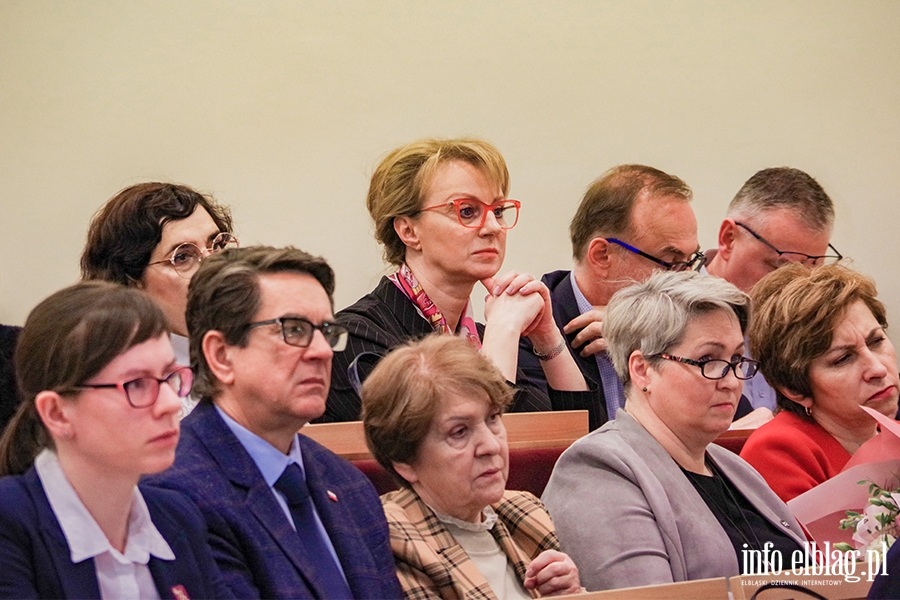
(179, 593)
(332, 495)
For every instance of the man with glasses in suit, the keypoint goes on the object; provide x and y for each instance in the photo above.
(780, 215)
(632, 221)
(287, 518)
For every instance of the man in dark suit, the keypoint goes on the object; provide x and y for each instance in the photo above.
(632, 220)
(287, 518)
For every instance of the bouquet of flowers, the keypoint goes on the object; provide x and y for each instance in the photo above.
(878, 521)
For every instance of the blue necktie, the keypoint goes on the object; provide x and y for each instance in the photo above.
(292, 484)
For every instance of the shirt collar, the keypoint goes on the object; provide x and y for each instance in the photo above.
(83, 534)
(582, 302)
(182, 348)
(270, 461)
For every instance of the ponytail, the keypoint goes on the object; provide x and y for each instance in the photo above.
(23, 439)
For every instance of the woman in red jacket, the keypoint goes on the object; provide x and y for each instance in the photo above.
(819, 335)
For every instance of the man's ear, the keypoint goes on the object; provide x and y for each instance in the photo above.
(219, 356)
(727, 234)
(405, 227)
(599, 256)
(406, 472)
(54, 412)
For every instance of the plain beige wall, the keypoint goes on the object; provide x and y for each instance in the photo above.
(281, 109)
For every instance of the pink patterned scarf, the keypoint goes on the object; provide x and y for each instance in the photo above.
(406, 281)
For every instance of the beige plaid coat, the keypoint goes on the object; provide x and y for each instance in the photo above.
(431, 564)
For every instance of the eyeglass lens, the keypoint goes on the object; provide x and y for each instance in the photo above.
(718, 369)
(474, 213)
(299, 332)
(144, 391)
(688, 264)
(187, 256)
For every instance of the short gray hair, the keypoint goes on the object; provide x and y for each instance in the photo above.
(784, 187)
(652, 316)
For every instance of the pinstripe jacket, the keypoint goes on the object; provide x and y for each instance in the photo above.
(386, 318)
(431, 564)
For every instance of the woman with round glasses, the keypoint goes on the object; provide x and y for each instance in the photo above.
(153, 236)
(441, 211)
(820, 338)
(101, 408)
(648, 498)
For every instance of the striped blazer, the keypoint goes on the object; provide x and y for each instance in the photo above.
(385, 319)
(431, 564)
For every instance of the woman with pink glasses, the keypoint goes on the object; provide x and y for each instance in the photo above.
(101, 394)
(441, 211)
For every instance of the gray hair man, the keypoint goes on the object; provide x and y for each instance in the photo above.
(780, 215)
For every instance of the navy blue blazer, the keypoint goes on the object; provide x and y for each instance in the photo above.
(565, 308)
(35, 560)
(259, 553)
(386, 318)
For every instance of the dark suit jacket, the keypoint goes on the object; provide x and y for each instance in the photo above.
(386, 318)
(258, 551)
(565, 308)
(35, 560)
(9, 391)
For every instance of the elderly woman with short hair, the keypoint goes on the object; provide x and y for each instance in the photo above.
(648, 498)
(432, 412)
(821, 342)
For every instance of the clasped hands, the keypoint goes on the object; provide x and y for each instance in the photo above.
(521, 303)
(520, 300)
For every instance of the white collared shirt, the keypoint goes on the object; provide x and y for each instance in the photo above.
(120, 575)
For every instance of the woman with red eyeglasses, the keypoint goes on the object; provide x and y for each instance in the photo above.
(153, 236)
(101, 408)
(441, 211)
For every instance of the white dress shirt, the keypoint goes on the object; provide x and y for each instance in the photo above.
(119, 575)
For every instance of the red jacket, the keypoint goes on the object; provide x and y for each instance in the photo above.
(794, 455)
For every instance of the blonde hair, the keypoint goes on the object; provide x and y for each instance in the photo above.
(398, 184)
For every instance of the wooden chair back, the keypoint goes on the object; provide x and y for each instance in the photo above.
(523, 430)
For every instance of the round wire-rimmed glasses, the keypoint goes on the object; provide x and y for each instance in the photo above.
(472, 213)
(144, 391)
(717, 368)
(187, 256)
